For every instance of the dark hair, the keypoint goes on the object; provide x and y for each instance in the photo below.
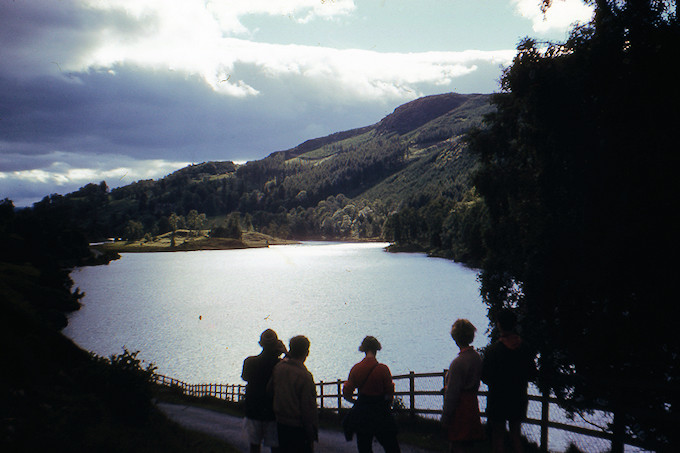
(299, 347)
(269, 339)
(463, 331)
(370, 343)
(507, 319)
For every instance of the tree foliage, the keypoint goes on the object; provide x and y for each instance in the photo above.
(578, 178)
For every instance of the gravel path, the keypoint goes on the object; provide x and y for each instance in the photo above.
(228, 427)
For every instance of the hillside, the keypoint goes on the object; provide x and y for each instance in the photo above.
(344, 185)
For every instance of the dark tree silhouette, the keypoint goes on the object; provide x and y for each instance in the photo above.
(578, 175)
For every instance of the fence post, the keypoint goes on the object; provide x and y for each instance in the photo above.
(618, 432)
(444, 387)
(339, 395)
(412, 393)
(545, 419)
(321, 392)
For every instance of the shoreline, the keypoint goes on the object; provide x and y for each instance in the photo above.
(184, 242)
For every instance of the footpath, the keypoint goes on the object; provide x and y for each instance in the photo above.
(229, 428)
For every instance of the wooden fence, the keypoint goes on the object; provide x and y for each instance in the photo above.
(416, 398)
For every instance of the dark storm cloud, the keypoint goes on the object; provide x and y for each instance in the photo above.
(145, 114)
(72, 107)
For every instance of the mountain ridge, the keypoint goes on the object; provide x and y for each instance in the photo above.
(345, 185)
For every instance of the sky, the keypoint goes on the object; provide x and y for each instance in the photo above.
(123, 90)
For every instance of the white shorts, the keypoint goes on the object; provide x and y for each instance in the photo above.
(257, 431)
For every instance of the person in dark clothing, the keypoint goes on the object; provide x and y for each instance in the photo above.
(370, 417)
(260, 423)
(507, 368)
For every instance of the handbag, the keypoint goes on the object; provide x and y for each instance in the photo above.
(350, 421)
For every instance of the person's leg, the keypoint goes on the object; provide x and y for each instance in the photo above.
(293, 439)
(461, 447)
(365, 442)
(253, 431)
(516, 435)
(284, 439)
(497, 435)
(270, 436)
(388, 441)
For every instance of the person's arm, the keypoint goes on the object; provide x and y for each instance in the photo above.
(388, 383)
(488, 372)
(245, 374)
(309, 411)
(270, 384)
(348, 388)
(454, 384)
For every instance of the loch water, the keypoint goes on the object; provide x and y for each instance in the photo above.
(197, 315)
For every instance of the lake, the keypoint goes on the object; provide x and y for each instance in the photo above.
(197, 315)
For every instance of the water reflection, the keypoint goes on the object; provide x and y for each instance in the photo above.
(197, 315)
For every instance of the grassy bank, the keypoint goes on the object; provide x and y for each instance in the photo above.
(185, 240)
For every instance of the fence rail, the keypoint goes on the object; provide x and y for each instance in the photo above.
(411, 389)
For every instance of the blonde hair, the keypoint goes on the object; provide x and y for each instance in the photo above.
(463, 331)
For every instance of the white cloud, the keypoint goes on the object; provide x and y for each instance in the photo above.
(350, 72)
(25, 187)
(560, 16)
(198, 39)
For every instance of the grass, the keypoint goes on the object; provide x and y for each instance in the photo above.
(186, 240)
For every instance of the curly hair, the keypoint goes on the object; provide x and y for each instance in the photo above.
(370, 344)
(463, 331)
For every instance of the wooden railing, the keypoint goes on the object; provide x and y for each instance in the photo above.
(227, 392)
(415, 397)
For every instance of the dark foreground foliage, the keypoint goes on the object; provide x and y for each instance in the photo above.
(579, 178)
(53, 395)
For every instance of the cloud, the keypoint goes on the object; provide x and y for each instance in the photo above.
(561, 15)
(96, 87)
(197, 39)
(67, 172)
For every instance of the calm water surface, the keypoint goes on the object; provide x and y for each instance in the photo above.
(197, 315)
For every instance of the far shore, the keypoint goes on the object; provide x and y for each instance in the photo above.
(186, 241)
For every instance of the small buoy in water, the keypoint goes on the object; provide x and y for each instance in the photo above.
(200, 317)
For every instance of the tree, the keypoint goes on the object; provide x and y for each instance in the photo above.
(133, 230)
(577, 174)
(231, 228)
(175, 221)
(195, 221)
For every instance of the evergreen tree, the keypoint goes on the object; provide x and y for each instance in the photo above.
(578, 178)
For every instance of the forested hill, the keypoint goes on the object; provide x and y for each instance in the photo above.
(368, 182)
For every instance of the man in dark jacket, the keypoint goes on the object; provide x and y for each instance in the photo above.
(260, 423)
(507, 368)
(294, 393)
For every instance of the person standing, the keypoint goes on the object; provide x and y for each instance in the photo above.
(260, 423)
(507, 367)
(370, 417)
(294, 393)
(460, 414)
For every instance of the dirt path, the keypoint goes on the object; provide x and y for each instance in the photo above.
(228, 427)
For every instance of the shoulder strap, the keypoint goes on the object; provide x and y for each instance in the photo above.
(368, 376)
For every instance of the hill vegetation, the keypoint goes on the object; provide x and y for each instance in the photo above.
(562, 189)
(369, 183)
(405, 179)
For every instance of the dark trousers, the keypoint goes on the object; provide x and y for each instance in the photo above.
(387, 440)
(293, 439)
